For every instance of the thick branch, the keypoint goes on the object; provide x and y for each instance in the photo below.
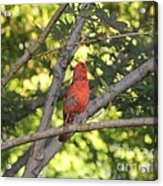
(53, 145)
(53, 94)
(34, 104)
(33, 47)
(128, 81)
(78, 128)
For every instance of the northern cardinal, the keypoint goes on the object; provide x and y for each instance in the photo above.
(76, 98)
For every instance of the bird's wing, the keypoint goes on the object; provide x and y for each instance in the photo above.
(69, 107)
(70, 101)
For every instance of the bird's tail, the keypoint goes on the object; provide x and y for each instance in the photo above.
(68, 121)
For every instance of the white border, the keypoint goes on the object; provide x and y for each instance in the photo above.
(68, 182)
(58, 1)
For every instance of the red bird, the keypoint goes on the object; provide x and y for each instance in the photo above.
(76, 98)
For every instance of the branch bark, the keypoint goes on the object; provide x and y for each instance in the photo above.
(102, 101)
(33, 47)
(37, 153)
(16, 166)
(128, 81)
(53, 145)
(78, 128)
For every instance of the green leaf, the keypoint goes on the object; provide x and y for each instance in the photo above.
(113, 16)
(86, 13)
(107, 88)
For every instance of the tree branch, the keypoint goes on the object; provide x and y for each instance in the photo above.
(102, 101)
(16, 166)
(53, 145)
(78, 128)
(66, 55)
(32, 105)
(128, 81)
(33, 47)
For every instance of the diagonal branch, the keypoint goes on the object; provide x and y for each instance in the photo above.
(128, 81)
(33, 47)
(66, 55)
(17, 165)
(102, 101)
(32, 105)
(135, 122)
(53, 145)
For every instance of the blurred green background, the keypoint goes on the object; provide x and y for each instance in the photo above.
(118, 153)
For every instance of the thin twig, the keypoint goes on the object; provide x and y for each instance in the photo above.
(90, 41)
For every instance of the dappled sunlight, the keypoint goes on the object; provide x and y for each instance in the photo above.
(116, 39)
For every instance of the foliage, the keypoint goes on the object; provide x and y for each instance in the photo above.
(106, 154)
